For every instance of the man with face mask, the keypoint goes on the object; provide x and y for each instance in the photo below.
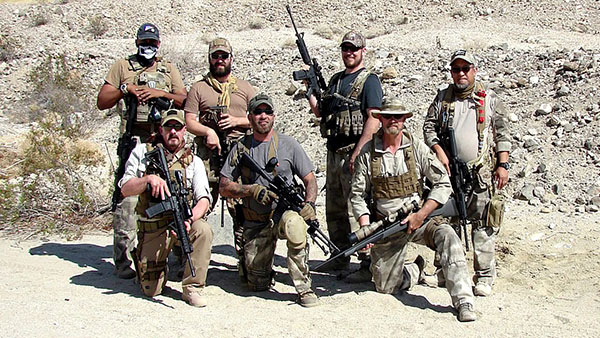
(215, 110)
(140, 80)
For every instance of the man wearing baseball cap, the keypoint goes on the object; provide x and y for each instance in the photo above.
(266, 220)
(347, 122)
(142, 83)
(482, 140)
(155, 240)
(391, 168)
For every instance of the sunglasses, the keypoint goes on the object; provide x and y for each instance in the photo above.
(394, 116)
(177, 127)
(350, 48)
(260, 111)
(217, 55)
(464, 69)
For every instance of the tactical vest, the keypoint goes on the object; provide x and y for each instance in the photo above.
(344, 117)
(157, 79)
(447, 117)
(243, 146)
(400, 186)
(178, 161)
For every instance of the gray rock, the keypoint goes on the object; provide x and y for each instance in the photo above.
(530, 141)
(591, 208)
(526, 193)
(595, 201)
(569, 127)
(512, 117)
(535, 202)
(563, 91)
(580, 200)
(580, 208)
(389, 73)
(539, 191)
(557, 189)
(541, 168)
(534, 80)
(553, 121)
(544, 109)
(547, 210)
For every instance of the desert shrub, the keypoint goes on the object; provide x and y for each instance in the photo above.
(256, 23)
(189, 57)
(39, 19)
(97, 26)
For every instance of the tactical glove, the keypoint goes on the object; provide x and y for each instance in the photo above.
(308, 212)
(262, 195)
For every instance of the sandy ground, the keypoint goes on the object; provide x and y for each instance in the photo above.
(548, 287)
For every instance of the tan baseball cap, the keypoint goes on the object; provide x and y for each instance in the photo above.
(173, 115)
(220, 44)
(392, 107)
(354, 38)
(463, 55)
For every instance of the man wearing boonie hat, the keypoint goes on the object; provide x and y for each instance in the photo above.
(265, 220)
(155, 240)
(347, 122)
(391, 168)
(483, 143)
(140, 80)
(215, 110)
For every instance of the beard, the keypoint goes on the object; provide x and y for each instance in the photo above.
(461, 86)
(351, 63)
(220, 72)
(260, 129)
(393, 130)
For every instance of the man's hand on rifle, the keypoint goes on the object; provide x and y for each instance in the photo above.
(212, 140)
(414, 220)
(227, 121)
(308, 212)
(441, 155)
(144, 94)
(158, 186)
(262, 195)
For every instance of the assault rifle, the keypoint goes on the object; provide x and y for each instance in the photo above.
(289, 199)
(176, 203)
(124, 148)
(316, 82)
(387, 227)
(461, 180)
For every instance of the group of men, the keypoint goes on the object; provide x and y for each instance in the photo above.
(374, 166)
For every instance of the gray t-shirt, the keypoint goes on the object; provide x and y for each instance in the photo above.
(292, 161)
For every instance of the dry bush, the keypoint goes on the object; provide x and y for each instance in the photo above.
(39, 19)
(97, 26)
(256, 23)
(8, 47)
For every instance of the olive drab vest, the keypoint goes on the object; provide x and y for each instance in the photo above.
(390, 187)
(243, 146)
(178, 161)
(343, 116)
(481, 102)
(157, 80)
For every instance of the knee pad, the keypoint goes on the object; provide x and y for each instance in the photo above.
(153, 277)
(293, 228)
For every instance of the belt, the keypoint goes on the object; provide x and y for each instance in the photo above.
(152, 226)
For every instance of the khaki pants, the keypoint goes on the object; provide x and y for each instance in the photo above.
(259, 250)
(390, 274)
(124, 226)
(153, 250)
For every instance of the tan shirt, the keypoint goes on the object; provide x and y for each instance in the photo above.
(202, 95)
(121, 72)
(394, 165)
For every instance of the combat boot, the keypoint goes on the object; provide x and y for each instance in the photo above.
(466, 313)
(308, 299)
(194, 297)
(125, 273)
(482, 289)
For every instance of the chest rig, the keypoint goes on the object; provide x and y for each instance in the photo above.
(344, 116)
(398, 186)
(447, 116)
(243, 146)
(178, 161)
(158, 79)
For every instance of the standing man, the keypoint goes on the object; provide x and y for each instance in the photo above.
(154, 237)
(143, 81)
(347, 122)
(264, 220)
(391, 168)
(478, 119)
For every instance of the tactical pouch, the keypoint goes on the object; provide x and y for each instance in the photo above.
(478, 199)
(496, 212)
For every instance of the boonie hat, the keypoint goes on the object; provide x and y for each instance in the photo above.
(148, 31)
(392, 107)
(258, 100)
(173, 115)
(220, 44)
(354, 38)
(463, 55)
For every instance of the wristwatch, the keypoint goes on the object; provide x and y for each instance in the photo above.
(123, 88)
(504, 165)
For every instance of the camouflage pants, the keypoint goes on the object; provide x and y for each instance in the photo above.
(338, 210)
(259, 250)
(390, 274)
(124, 228)
(152, 252)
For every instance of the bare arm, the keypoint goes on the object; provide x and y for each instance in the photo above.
(310, 182)
(416, 219)
(137, 185)
(370, 128)
(108, 96)
(314, 106)
(230, 189)
(198, 129)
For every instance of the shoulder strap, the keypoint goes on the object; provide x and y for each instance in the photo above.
(447, 113)
(134, 63)
(358, 84)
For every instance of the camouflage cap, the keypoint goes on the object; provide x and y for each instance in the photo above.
(354, 38)
(219, 44)
(148, 31)
(173, 115)
(258, 100)
(392, 107)
(463, 55)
